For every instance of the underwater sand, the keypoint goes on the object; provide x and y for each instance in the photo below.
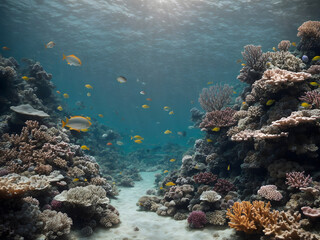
(151, 226)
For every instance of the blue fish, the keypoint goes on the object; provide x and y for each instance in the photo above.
(305, 58)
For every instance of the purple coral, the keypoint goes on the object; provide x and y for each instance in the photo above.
(270, 192)
(312, 97)
(219, 118)
(298, 179)
(206, 178)
(223, 186)
(197, 219)
(215, 97)
(311, 212)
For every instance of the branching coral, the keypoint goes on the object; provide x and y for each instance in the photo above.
(312, 97)
(284, 45)
(215, 97)
(219, 118)
(298, 179)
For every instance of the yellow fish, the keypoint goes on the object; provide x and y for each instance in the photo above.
(166, 108)
(172, 160)
(84, 147)
(161, 188)
(274, 49)
(228, 168)
(138, 137)
(86, 180)
(138, 141)
(209, 83)
(100, 115)
(316, 58)
(60, 108)
(243, 64)
(244, 103)
(209, 140)
(305, 105)
(196, 167)
(89, 94)
(234, 92)
(294, 44)
(66, 95)
(84, 130)
(270, 102)
(77, 123)
(121, 79)
(145, 106)
(170, 184)
(167, 132)
(76, 180)
(88, 86)
(50, 44)
(165, 171)
(72, 60)
(216, 129)
(113, 183)
(314, 84)
(120, 173)
(25, 78)
(171, 113)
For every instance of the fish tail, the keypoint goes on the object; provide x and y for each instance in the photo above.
(64, 123)
(63, 56)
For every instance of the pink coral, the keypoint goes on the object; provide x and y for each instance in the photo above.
(219, 118)
(197, 219)
(311, 212)
(284, 45)
(298, 179)
(206, 178)
(312, 97)
(314, 69)
(270, 192)
(248, 134)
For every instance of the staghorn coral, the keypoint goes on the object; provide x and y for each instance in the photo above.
(218, 118)
(270, 192)
(284, 45)
(312, 97)
(215, 97)
(298, 179)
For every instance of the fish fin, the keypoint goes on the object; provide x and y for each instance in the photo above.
(64, 56)
(75, 129)
(45, 45)
(63, 123)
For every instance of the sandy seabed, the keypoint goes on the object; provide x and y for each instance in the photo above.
(150, 225)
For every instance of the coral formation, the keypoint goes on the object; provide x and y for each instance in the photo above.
(197, 219)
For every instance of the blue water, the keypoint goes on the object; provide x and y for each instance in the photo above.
(174, 46)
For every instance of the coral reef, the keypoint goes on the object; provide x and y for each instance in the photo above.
(197, 219)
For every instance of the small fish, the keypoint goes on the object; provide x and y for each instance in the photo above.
(138, 141)
(109, 144)
(209, 83)
(121, 79)
(145, 106)
(161, 188)
(305, 58)
(274, 49)
(170, 184)
(76, 179)
(58, 92)
(76, 123)
(270, 102)
(216, 129)
(142, 92)
(228, 168)
(66, 95)
(5, 48)
(244, 103)
(167, 131)
(165, 171)
(138, 137)
(316, 58)
(172, 160)
(119, 143)
(84, 147)
(294, 44)
(120, 173)
(59, 108)
(25, 78)
(88, 86)
(196, 166)
(86, 180)
(314, 84)
(50, 44)
(113, 183)
(305, 105)
(148, 99)
(234, 92)
(100, 115)
(239, 60)
(88, 94)
(180, 133)
(171, 113)
(243, 64)
(209, 140)
(166, 108)
(72, 60)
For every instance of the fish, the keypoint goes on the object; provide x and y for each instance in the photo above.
(166, 108)
(138, 141)
(100, 115)
(161, 188)
(58, 92)
(270, 102)
(121, 79)
(170, 184)
(120, 173)
(209, 140)
(228, 168)
(294, 44)
(196, 167)
(165, 171)
(25, 78)
(5, 48)
(172, 160)
(314, 84)
(142, 92)
(84, 147)
(244, 103)
(72, 60)
(215, 129)
(113, 183)
(86, 180)
(88, 86)
(316, 58)
(76, 123)
(234, 92)
(119, 143)
(88, 94)
(75, 179)
(239, 60)
(145, 106)
(305, 105)
(243, 64)
(50, 44)
(167, 131)
(171, 113)
(148, 99)
(274, 49)
(209, 83)
(305, 58)
(66, 95)
(138, 137)
(59, 108)
(109, 144)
